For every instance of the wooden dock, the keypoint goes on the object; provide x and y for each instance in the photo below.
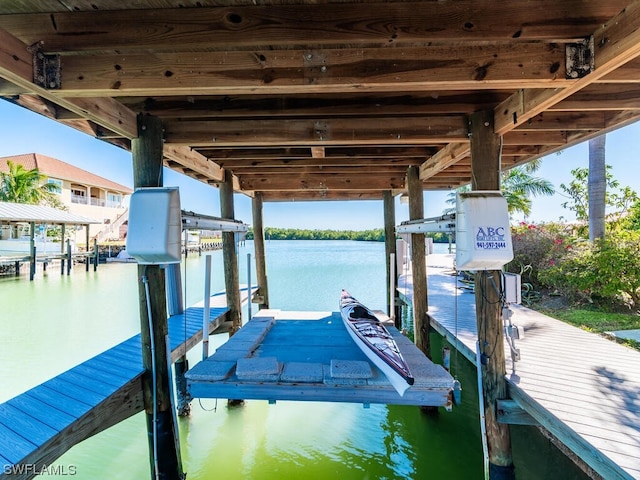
(41, 424)
(582, 388)
(309, 356)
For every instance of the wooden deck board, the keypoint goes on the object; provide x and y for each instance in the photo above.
(87, 398)
(581, 387)
(309, 342)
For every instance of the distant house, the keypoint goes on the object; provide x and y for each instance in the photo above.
(82, 192)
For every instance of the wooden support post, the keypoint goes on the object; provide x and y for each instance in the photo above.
(64, 227)
(230, 255)
(258, 245)
(69, 263)
(32, 251)
(96, 254)
(86, 249)
(418, 263)
(485, 175)
(147, 172)
(175, 306)
(390, 247)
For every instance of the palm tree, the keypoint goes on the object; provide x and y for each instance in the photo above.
(20, 185)
(597, 187)
(518, 185)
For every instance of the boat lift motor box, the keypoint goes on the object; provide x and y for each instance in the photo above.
(483, 236)
(155, 225)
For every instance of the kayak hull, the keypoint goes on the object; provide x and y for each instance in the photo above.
(375, 341)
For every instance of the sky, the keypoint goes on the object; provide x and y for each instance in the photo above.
(22, 131)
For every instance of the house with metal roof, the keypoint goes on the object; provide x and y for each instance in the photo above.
(83, 193)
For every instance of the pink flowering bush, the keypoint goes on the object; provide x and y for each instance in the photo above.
(536, 248)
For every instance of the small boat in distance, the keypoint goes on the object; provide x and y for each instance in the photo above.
(375, 341)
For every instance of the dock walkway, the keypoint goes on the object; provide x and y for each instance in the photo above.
(39, 425)
(581, 387)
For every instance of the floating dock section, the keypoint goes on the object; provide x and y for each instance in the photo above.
(309, 356)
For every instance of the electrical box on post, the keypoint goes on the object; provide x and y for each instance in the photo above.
(483, 236)
(155, 224)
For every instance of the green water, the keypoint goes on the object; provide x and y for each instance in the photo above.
(55, 322)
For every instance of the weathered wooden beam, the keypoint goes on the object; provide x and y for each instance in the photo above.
(318, 24)
(616, 43)
(511, 413)
(16, 65)
(388, 204)
(320, 195)
(564, 121)
(373, 169)
(359, 103)
(252, 164)
(194, 161)
(332, 153)
(600, 96)
(258, 243)
(418, 263)
(320, 182)
(161, 429)
(319, 132)
(230, 257)
(445, 158)
(425, 68)
(485, 165)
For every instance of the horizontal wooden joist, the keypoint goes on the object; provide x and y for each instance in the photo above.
(599, 97)
(321, 182)
(324, 132)
(16, 66)
(318, 23)
(393, 153)
(352, 104)
(615, 43)
(502, 66)
(292, 171)
(316, 195)
(242, 164)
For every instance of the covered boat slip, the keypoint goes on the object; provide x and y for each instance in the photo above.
(580, 387)
(309, 356)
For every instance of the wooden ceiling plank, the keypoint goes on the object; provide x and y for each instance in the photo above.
(564, 121)
(249, 164)
(311, 196)
(321, 183)
(361, 131)
(599, 97)
(393, 153)
(319, 24)
(16, 65)
(617, 42)
(502, 66)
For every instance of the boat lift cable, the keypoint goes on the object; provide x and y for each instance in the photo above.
(145, 281)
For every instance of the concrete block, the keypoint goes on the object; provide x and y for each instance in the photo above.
(302, 372)
(258, 369)
(329, 380)
(350, 369)
(211, 370)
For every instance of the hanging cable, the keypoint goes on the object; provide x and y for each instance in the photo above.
(154, 374)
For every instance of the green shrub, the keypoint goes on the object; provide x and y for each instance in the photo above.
(536, 248)
(607, 271)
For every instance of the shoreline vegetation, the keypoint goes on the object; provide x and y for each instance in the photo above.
(373, 235)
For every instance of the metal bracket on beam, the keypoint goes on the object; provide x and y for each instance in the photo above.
(580, 58)
(46, 68)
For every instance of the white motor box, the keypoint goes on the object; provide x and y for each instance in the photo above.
(483, 236)
(155, 224)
